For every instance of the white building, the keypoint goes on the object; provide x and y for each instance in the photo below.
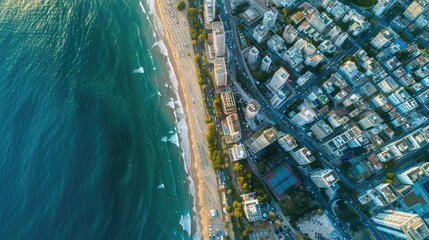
(270, 17)
(253, 55)
(283, 3)
(231, 128)
(305, 116)
(251, 207)
(266, 63)
(218, 39)
(238, 152)
(381, 6)
(317, 20)
(313, 60)
(303, 156)
(220, 73)
(260, 32)
(401, 224)
(278, 98)
(324, 178)
(413, 174)
(350, 69)
(288, 143)
(262, 139)
(384, 38)
(209, 10)
(341, 39)
(252, 109)
(289, 34)
(278, 80)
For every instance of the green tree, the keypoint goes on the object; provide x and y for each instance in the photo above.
(194, 33)
(202, 37)
(228, 209)
(192, 12)
(181, 6)
(197, 58)
(390, 165)
(238, 167)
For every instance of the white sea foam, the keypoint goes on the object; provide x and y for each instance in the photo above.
(142, 7)
(185, 221)
(160, 44)
(174, 139)
(170, 104)
(182, 127)
(138, 70)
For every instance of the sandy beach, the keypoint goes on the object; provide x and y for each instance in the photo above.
(179, 44)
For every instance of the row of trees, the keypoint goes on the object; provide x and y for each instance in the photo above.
(249, 183)
(217, 106)
(214, 153)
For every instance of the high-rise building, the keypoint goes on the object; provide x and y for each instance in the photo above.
(260, 32)
(209, 10)
(218, 39)
(278, 80)
(290, 33)
(324, 178)
(287, 142)
(253, 55)
(402, 225)
(278, 99)
(270, 17)
(252, 109)
(228, 102)
(303, 156)
(262, 139)
(381, 6)
(266, 63)
(231, 128)
(220, 73)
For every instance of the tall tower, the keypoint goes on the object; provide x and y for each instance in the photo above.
(401, 224)
(252, 109)
(270, 17)
(218, 38)
(220, 73)
(209, 10)
(266, 63)
(253, 55)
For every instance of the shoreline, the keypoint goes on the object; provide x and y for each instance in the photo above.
(185, 68)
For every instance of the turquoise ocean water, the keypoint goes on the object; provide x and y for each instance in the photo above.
(86, 137)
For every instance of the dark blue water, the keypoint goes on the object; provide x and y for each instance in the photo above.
(81, 153)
